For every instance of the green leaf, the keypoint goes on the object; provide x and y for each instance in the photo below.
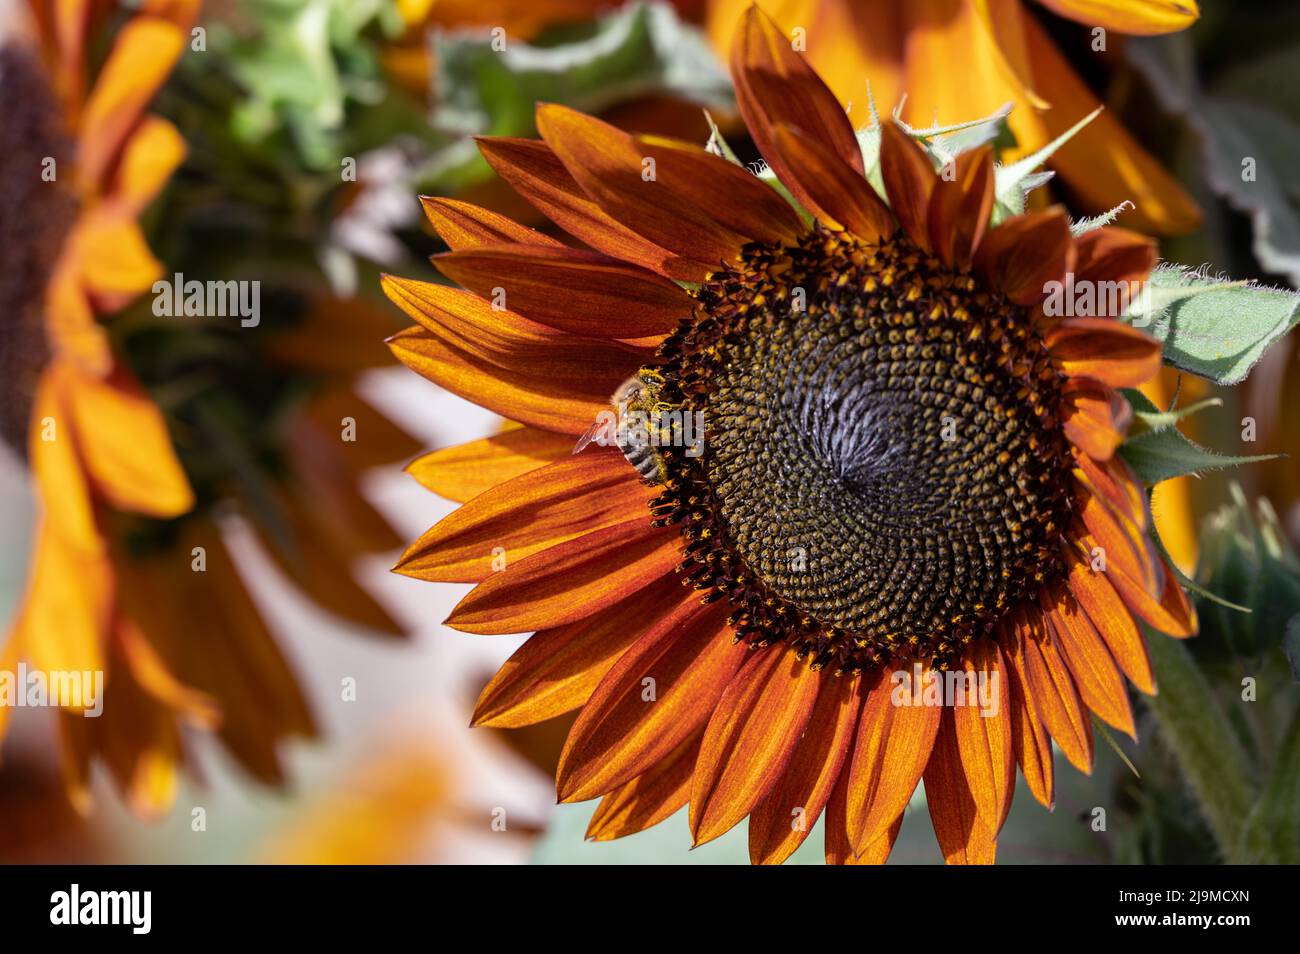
(1013, 182)
(485, 89)
(1212, 328)
(1167, 453)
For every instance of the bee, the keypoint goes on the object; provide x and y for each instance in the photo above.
(634, 425)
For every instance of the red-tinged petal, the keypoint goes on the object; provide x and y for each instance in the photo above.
(464, 471)
(893, 744)
(1114, 481)
(1099, 683)
(1113, 622)
(583, 293)
(1138, 17)
(982, 729)
(830, 188)
(782, 820)
(659, 693)
(1179, 608)
(909, 178)
(563, 401)
(691, 202)
(750, 739)
(775, 86)
(1125, 546)
(1029, 739)
(838, 849)
(532, 512)
(1056, 700)
(1023, 254)
(1110, 351)
(960, 207)
(1095, 417)
(569, 581)
(1114, 262)
(963, 836)
(536, 173)
(649, 798)
(463, 225)
(557, 670)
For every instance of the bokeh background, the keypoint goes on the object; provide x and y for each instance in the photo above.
(310, 128)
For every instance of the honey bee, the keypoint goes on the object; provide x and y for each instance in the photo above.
(633, 425)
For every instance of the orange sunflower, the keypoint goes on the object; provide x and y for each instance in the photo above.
(907, 477)
(131, 574)
(969, 58)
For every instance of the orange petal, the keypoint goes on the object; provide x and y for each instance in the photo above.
(1051, 687)
(964, 837)
(154, 151)
(1029, 739)
(659, 693)
(1125, 546)
(838, 849)
(1113, 255)
(691, 204)
(463, 225)
(535, 172)
(570, 581)
(1025, 252)
(782, 820)
(66, 614)
(960, 207)
(1099, 683)
(1114, 481)
(557, 670)
(532, 512)
(893, 745)
(750, 739)
(1113, 622)
(984, 737)
(775, 86)
(1095, 417)
(155, 677)
(1110, 351)
(564, 402)
(125, 446)
(57, 465)
(584, 293)
(464, 471)
(909, 181)
(114, 261)
(831, 189)
(649, 798)
(142, 56)
(1137, 17)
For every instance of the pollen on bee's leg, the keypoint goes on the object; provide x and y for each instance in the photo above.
(882, 453)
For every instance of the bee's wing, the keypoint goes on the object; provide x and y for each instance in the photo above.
(597, 430)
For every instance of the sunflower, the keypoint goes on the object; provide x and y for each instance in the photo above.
(908, 475)
(131, 573)
(969, 58)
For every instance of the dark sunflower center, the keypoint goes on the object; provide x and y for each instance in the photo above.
(883, 471)
(37, 213)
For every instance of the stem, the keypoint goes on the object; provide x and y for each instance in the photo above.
(1212, 760)
(1273, 830)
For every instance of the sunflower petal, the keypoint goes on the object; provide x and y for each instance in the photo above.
(889, 756)
(1025, 252)
(983, 737)
(909, 182)
(1029, 740)
(658, 694)
(583, 293)
(750, 739)
(1099, 683)
(830, 188)
(1095, 417)
(960, 207)
(1110, 351)
(532, 512)
(1113, 622)
(464, 471)
(782, 820)
(1050, 685)
(649, 798)
(463, 225)
(964, 837)
(557, 670)
(569, 581)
